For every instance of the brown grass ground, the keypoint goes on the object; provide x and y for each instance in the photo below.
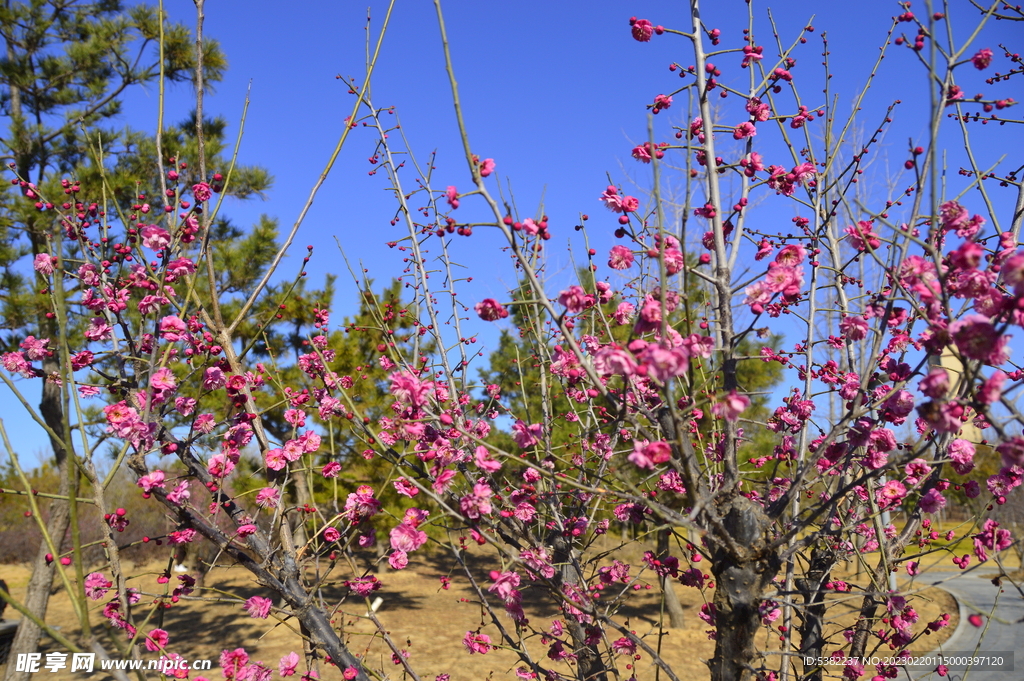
(426, 620)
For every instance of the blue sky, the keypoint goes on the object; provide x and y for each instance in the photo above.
(555, 92)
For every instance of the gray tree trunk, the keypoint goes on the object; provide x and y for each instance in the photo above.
(672, 604)
(744, 567)
(37, 597)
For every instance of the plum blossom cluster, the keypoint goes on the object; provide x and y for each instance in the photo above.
(721, 393)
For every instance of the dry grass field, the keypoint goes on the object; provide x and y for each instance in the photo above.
(422, 618)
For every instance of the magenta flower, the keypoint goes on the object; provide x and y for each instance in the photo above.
(267, 497)
(288, 664)
(201, 192)
(452, 196)
(35, 348)
(406, 537)
(935, 384)
(156, 640)
(575, 299)
(45, 264)
(233, 662)
(476, 643)
(220, 465)
(642, 29)
(154, 237)
(483, 460)
(275, 459)
(708, 613)
(180, 494)
(526, 435)
(744, 130)
(890, 494)
(538, 560)
(624, 313)
(854, 327)
(163, 379)
(1012, 452)
(490, 310)
(991, 538)
(932, 501)
(664, 363)
(504, 585)
(649, 454)
(361, 504)
(992, 388)
(409, 389)
(99, 330)
(258, 607)
(613, 361)
(620, 258)
(982, 58)
(624, 646)
(150, 481)
(364, 586)
(487, 167)
(96, 585)
(977, 338)
(916, 471)
(398, 560)
(642, 153)
(759, 110)
(16, 363)
(962, 454)
(406, 488)
(862, 237)
(618, 204)
(731, 407)
(477, 504)
(214, 378)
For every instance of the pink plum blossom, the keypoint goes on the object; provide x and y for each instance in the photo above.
(45, 264)
(156, 640)
(476, 643)
(490, 310)
(620, 258)
(288, 664)
(642, 30)
(982, 58)
(258, 607)
(154, 237)
(932, 501)
(731, 406)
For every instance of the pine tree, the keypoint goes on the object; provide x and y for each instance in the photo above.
(64, 68)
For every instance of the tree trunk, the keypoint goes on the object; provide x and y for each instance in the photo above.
(589, 665)
(37, 597)
(672, 604)
(812, 590)
(743, 569)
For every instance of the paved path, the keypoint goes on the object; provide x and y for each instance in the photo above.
(1004, 632)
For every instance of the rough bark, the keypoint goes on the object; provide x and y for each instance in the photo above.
(589, 665)
(276, 570)
(676, 618)
(812, 590)
(743, 566)
(37, 597)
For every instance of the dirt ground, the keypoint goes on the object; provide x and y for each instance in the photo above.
(422, 618)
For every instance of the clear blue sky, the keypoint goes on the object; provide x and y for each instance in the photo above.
(555, 92)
